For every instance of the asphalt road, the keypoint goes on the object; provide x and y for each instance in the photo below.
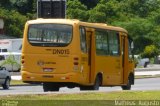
(140, 84)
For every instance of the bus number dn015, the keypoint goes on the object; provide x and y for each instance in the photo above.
(61, 51)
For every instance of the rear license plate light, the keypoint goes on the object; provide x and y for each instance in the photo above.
(48, 69)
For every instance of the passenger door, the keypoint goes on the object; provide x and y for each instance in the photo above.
(91, 54)
(123, 53)
(84, 68)
(115, 58)
(86, 35)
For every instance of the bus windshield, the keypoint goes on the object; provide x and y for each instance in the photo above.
(49, 35)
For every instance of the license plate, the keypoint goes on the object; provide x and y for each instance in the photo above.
(48, 69)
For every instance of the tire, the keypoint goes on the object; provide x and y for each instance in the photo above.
(50, 87)
(45, 87)
(83, 88)
(6, 84)
(128, 86)
(145, 64)
(94, 87)
(96, 84)
(55, 88)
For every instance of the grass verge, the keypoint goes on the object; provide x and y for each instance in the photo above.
(84, 98)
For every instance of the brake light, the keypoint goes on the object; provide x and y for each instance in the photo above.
(75, 63)
(22, 60)
(22, 57)
(76, 58)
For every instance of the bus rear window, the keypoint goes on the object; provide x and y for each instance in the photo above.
(49, 35)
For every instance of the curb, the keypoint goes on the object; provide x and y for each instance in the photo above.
(25, 85)
(147, 76)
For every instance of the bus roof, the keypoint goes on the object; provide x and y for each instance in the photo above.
(75, 21)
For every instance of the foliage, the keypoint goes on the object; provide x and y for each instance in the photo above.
(6, 4)
(90, 3)
(14, 22)
(150, 51)
(140, 30)
(25, 6)
(10, 60)
(77, 10)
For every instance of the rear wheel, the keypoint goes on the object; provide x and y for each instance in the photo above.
(83, 88)
(96, 84)
(128, 86)
(50, 87)
(6, 84)
(55, 88)
(145, 64)
(94, 87)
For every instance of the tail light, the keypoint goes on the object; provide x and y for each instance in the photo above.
(22, 60)
(75, 63)
(76, 58)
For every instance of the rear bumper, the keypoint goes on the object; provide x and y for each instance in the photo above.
(55, 78)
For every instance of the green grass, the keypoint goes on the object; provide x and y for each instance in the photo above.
(121, 95)
(82, 99)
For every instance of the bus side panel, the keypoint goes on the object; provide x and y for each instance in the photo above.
(111, 69)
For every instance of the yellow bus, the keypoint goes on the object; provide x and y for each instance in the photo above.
(65, 52)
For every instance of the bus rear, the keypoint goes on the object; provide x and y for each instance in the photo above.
(61, 52)
(47, 54)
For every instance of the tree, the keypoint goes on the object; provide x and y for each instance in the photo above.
(90, 3)
(10, 60)
(14, 22)
(139, 46)
(25, 6)
(140, 8)
(6, 4)
(104, 12)
(150, 51)
(97, 17)
(138, 29)
(76, 10)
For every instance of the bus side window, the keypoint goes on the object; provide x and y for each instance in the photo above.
(83, 40)
(114, 45)
(101, 42)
